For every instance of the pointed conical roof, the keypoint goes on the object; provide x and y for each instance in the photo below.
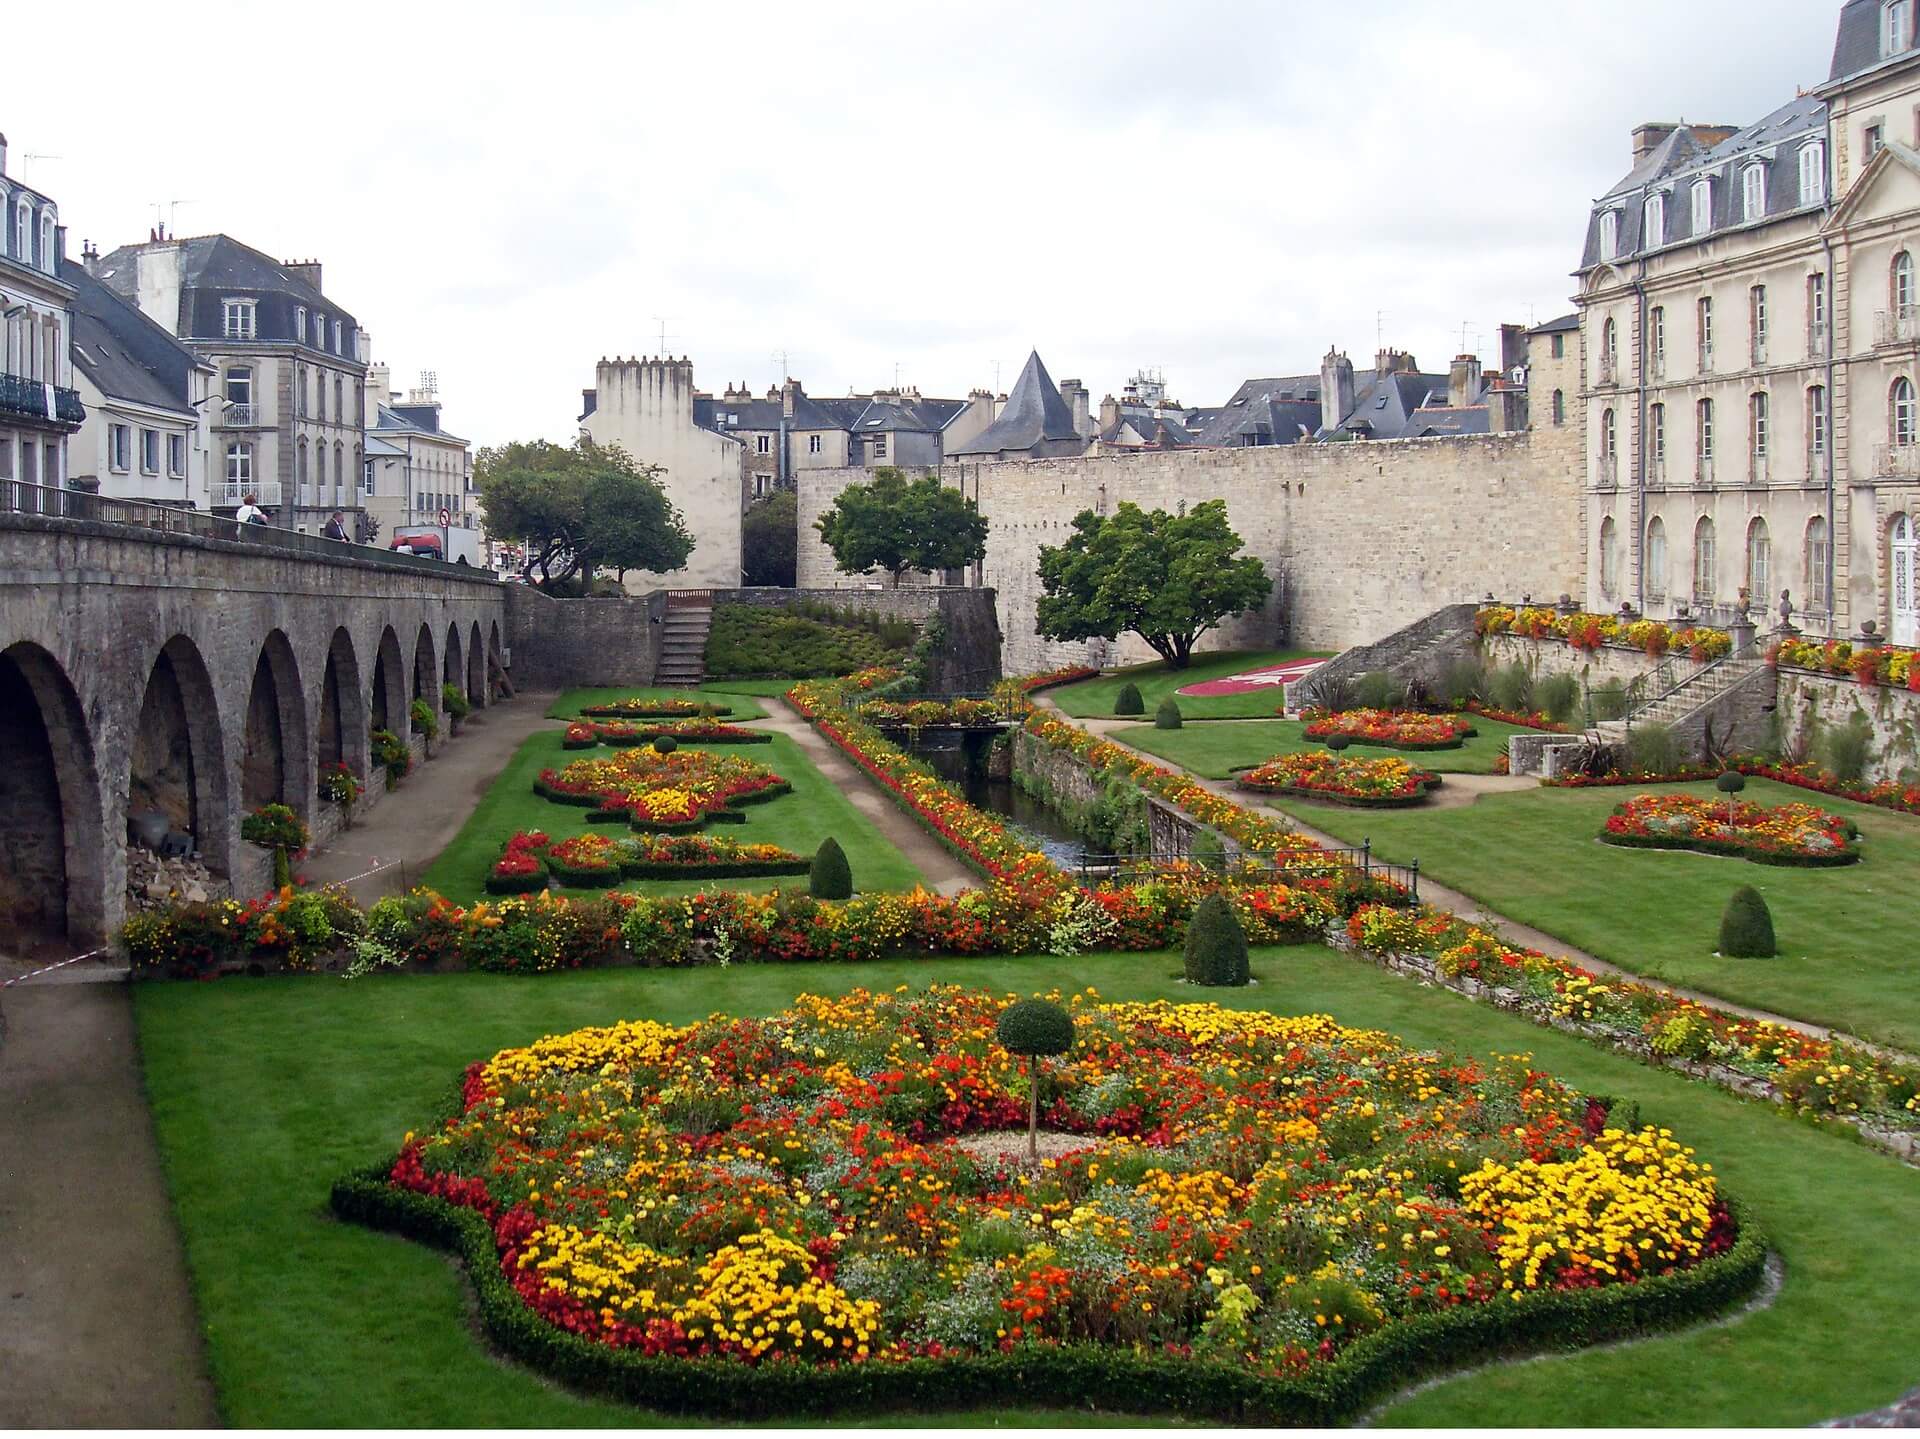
(1035, 413)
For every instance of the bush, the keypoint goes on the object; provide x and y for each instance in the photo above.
(1168, 716)
(665, 744)
(811, 641)
(1338, 742)
(1610, 700)
(831, 876)
(1730, 782)
(1746, 929)
(1464, 680)
(1129, 700)
(1653, 749)
(1847, 749)
(454, 701)
(1216, 952)
(1035, 1028)
(1511, 688)
(1556, 696)
(1378, 690)
(1209, 851)
(425, 724)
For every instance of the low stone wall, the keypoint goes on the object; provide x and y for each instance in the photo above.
(1171, 833)
(1421, 652)
(556, 644)
(968, 660)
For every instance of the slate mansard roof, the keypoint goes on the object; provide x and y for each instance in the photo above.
(214, 268)
(125, 354)
(1856, 49)
(1034, 415)
(1272, 411)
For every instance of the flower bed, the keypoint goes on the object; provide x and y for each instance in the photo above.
(1870, 666)
(1536, 720)
(643, 707)
(1590, 632)
(1391, 729)
(1360, 783)
(586, 861)
(757, 1217)
(1796, 835)
(1887, 794)
(934, 714)
(522, 866)
(618, 734)
(652, 791)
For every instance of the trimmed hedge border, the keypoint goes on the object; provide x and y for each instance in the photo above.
(576, 877)
(1838, 860)
(726, 869)
(651, 712)
(1373, 1368)
(518, 883)
(1428, 784)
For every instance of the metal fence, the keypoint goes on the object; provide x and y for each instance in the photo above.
(20, 498)
(1098, 869)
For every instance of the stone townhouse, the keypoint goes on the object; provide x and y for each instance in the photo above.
(1750, 335)
(39, 406)
(415, 467)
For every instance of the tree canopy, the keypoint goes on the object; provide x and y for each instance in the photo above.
(1167, 578)
(896, 524)
(580, 508)
(769, 541)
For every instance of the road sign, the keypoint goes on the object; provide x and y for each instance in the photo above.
(446, 518)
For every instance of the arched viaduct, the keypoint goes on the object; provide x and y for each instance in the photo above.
(202, 678)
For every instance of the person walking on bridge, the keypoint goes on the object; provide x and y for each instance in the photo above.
(336, 527)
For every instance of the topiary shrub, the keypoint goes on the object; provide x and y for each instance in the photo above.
(665, 744)
(1129, 701)
(1746, 929)
(1168, 716)
(1338, 742)
(1034, 1029)
(1556, 696)
(831, 876)
(1216, 953)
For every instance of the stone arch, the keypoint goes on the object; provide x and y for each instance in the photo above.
(453, 663)
(276, 756)
(178, 762)
(476, 668)
(387, 703)
(340, 729)
(53, 884)
(426, 682)
(496, 671)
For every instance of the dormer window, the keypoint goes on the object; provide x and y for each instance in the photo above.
(1656, 221)
(1753, 192)
(1813, 174)
(1610, 235)
(1702, 206)
(46, 242)
(237, 319)
(299, 324)
(1896, 28)
(23, 233)
(319, 332)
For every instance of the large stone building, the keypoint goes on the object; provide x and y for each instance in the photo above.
(1750, 328)
(415, 468)
(290, 371)
(1037, 422)
(39, 406)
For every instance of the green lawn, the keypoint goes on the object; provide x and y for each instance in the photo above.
(1218, 751)
(263, 1091)
(1093, 699)
(1847, 943)
(739, 700)
(800, 821)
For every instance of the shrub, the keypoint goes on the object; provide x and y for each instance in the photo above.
(1511, 688)
(665, 744)
(277, 828)
(425, 723)
(1034, 1028)
(1847, 749)
(831, 876)
(1610, 700)
(1168, 716)
(1209, 851)
(390, 752)
(1653, 749)
(1556, 696)
(1730, 782)
(454, 701)
(1129, 701)
(1378, 690)
(1216, 954)
(1338, 742)
(809, 641)
(1464, 680)
(1746, 929)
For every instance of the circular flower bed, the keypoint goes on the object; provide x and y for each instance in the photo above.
(678, 791)
(1789, 834)
(1363, 783)
(1246, 1214)
(1393, 729)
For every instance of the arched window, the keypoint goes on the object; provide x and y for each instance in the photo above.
(1609, 436)
(1609, 351)
(1759, 561)
(1760, 423)
(1559, 407)
(1753, 192)
(1657, 559)
(339, 467)
(1656, 219)
(339, 400)
(1703, 561)
(1818, 556)
(23, 232)
(1702, 207)
(1901, 416)
(1817, 421)
(1813, 173)
(300, 471)
(48, 259)
(1610, 235)
(1896, 28)
(1902, 283)
(1609, 557)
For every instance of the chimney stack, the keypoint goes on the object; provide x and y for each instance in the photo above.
(307, 271)
(1109, 413)
(1463, 381)
(1336, 389)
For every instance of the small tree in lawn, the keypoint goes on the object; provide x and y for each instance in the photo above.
(769, 541)
(1730, 783)
(831, 877)
(1034, 1029)
(1746, 928)
(896, 524)
(1167, 578)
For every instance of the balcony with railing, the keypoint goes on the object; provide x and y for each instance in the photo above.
(1896, 461)
(238, 417)
(26, 399)
(232, 493)
(1607, 372)
(1897, 327)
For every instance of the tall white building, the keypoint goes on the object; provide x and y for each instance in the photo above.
(414, 467)
(39, 407)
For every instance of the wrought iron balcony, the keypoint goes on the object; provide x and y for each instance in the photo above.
(238, 417)
(25, 399)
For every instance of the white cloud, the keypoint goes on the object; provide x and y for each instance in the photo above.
(504, 193)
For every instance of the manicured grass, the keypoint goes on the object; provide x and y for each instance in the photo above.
(264, 1091)
(1218, 751)
(799, 821)
(1846, 936)
(569, 705)
(1093, 699)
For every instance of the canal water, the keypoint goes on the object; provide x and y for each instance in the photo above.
(1038, 821)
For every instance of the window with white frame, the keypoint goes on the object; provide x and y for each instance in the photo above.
(240, 387)
(1704, 561)
(239, 319)
(1705, 432)
(300, 324)
(1901, 415)
(1657, 339)
(763, 444)
(1656, 559)
(149, 452)
(1702, 206)
(120, 448)
(1901, 287)
(339, 338)
(1817, 314)
(1757, 322)
(47, 256)
(813, 444)
(1609, 439)
(23, 232)
(1760, 423)
(1873, 140)
(1609, 557)
(1753, 192)
(366, 477)
(176, 455)
(240, 462)
(1759, 560)
(1818, 558)
(319, 332)
(1610, 235)
(1609, 352)
(1817, 420)
(1706, 333)
(1657, 433)
(1813, 173)
(1896, 27)
(879, 447)
(1656, 221)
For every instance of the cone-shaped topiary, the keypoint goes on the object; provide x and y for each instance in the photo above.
(1746, 929)
(1034, 1028)
(1129, 701)
(1216, 946)
(1168, 716)
(831, 878)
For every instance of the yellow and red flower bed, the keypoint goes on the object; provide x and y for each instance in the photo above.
(1590, 632)
(1871, 666)
(804, 1198)
(1391, 729)
(587, 734)
(681, 790)
(1364, 783)
(522, 866)
(1800, 835)
(646, 707)
(936, 714)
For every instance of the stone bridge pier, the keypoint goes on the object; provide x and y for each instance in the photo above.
(200, 678)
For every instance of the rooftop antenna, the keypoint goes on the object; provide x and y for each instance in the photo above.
(1379, 330)
(996, 377)
(173, 213)
(1466, 327)
(30, 158)
(664, 336)
(781, 356)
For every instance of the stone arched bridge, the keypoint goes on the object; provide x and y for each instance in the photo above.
(201, 678)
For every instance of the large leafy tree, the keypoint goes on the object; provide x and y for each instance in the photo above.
(579, 508)
(896, 524)
(769, 541)
(1167, 578)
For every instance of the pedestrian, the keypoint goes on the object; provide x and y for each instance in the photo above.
(336, 527)
(250, 512)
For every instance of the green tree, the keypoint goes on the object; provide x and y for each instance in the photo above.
(1167, 578)
(770, 541)
(896, 524)
(580, 507)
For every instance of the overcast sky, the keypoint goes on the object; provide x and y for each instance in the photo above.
(1220, 190)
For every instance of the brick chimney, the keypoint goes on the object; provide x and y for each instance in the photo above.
(307, 271)
(1651, 136)
(1336, 389)
(1463, 381)
(1109, 413)
(788, 393)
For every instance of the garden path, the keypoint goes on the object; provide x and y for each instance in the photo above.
(1523, 935)
(98, 1327)
(944, 874)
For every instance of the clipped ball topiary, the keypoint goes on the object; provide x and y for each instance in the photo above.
(831, 876)
(1730, 782)
(1216, 946)
(1168, 716)
(665, 744)
(1338, 742)
(1746, 929)
(1129, 701)
(1034, 1029)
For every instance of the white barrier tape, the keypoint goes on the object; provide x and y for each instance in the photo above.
(35, 974)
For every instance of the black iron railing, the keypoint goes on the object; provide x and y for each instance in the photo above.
(1095, 870)
(27, 399)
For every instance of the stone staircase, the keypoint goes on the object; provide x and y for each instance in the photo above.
(683, 644)
(1687, 703)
